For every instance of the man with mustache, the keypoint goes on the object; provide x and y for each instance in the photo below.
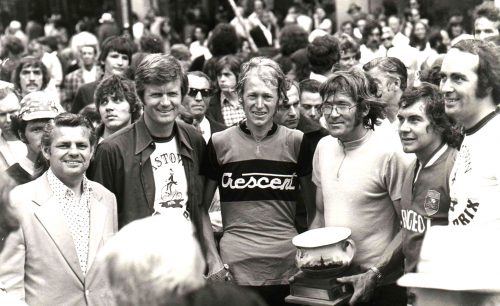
(358, 175)
(31, 75)
(64, 220)
(115, 57)
(152, 166)
(470, 83)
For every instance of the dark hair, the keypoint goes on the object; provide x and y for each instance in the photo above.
(224, 40)
(323, 53)
(159, 69)
(286, 64)
(436, 41)
(358, 85)
(118, 88)
(347, 43)
(488, 70)
(488, 11)
(67, 120)
(18, 126)
(292, 38)
(433, 100)
(309, 85)
(30, 61)
(151, 43)
(121, 44)
(269, 72)
(370, 26)
(392, 66)
(229, 61)
(302, 68)
(13, 45)
(91, 113)
(418, 43)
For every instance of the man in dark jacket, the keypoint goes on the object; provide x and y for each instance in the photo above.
(152, 166)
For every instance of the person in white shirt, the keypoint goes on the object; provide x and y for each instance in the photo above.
(470, 82)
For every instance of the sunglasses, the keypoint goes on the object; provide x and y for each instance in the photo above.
(205, 93)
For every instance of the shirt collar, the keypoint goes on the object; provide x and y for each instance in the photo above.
(244, 128)
(144, 138)
(56, 185)
(226, 101)
(480, 124)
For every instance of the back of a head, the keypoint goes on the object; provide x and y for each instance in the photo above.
(151, 43)
(148, 271)
(224, 40)
(323, 53)
(292, 38)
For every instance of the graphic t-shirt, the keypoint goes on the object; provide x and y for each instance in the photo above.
(170, 178)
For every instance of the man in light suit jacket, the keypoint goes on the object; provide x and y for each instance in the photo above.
(64, 220)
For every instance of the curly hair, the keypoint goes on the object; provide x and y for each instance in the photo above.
(488, 70)
(323, 53)
(358, 85)
(223, 41)
(433, 100)
(292, 38)
(119, 88)
(269, 72)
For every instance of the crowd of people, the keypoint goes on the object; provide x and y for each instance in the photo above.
(166, 169)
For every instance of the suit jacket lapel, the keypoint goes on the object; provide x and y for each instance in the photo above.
(97, 220)
(50, 216)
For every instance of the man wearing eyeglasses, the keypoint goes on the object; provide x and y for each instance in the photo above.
(359, 175)
(196, 103)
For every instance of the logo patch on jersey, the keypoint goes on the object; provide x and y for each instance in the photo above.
(431, 202)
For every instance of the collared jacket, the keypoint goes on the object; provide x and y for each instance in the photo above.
(122, 164)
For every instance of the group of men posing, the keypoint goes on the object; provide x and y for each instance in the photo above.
(364, 177)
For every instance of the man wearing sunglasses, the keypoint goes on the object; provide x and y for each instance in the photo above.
(359, 175)
(196, 103)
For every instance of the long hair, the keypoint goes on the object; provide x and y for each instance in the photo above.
(358, 85)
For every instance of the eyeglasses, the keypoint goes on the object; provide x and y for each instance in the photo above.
(205, 93)
(327, 108)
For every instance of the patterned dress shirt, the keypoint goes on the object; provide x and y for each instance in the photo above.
(76, 213)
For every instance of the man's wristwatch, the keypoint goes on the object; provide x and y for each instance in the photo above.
(377, 272)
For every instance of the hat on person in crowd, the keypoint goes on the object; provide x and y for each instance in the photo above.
(38, 105)
(106, 17)
(353, 7)
(458, 258)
